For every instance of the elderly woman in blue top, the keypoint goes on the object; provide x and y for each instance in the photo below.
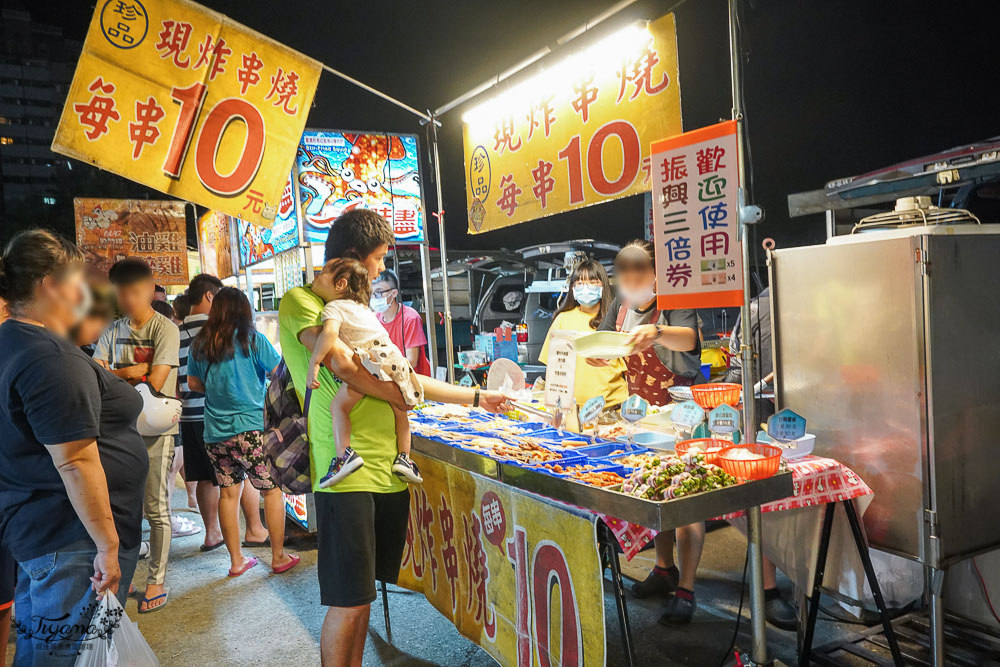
(229, 362)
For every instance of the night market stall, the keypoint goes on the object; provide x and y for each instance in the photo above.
(510, 534)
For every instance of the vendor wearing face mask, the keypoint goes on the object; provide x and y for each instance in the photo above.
(584, 308)
(667, 348)
(403, 324)
(667, 353)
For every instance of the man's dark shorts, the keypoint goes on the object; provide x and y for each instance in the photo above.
(197, 466)
(361, 539)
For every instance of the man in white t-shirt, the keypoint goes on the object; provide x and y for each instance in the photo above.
(143, 347)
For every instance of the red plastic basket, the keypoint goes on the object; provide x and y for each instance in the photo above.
(682, 448)
(755, 469)
(714, 394)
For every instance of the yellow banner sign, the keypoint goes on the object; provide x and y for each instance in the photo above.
(184, 100)
(576, 134)
(215, 244)
(517, 574)
(108, 230)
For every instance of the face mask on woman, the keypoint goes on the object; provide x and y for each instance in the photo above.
(587, 295)
(379, 304)
(636, 297)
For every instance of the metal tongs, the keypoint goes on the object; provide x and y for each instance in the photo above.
(507, 377)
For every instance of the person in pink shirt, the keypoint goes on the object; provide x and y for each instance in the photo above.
(403, 324)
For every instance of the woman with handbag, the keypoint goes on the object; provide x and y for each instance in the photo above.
(72, 465)
(229, 362)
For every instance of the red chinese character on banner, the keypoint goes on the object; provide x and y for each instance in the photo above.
(424, 515)
(96, 113)
(448, 550)
(546, 112)
(646, 169)
(586, 95)
(709, 159)
(678, 273)
(213, 53)
(173, 41)
(404, 222)
(144, 131)
(543, 182)
(478, 574)
(508, 197)
(640, 74)
(255, 201)
(503, 137)
(715, 243)
(249, 74)
(673, 168)
(283, 88)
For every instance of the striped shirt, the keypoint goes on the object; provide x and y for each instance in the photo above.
(193, 409)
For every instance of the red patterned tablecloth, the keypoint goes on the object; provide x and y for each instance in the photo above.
(816, 480)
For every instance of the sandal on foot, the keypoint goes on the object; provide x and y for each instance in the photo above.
(147, 601)
(182, 527)
(292, 562)
(248, 562)
(211, 547)
(266, 542)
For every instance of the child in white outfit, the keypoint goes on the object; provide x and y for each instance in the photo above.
(346, 288)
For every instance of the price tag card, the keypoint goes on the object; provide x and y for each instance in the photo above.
(591, 410)
(724, 420)
(786, 426)
(688, 415)
(634, 408)
(467, 381)
(560, 372)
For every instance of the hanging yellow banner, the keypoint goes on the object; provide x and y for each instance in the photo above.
(576, 134)
(516, 573)
(184, 100)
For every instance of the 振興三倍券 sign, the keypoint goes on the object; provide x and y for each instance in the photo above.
(186, 101)
(696, 219)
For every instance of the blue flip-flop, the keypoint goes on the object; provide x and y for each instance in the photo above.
(146, 601)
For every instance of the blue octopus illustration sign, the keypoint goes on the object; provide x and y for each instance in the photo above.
(261, 243)
(339, 171)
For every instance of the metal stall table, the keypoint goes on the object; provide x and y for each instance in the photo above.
(663, 515)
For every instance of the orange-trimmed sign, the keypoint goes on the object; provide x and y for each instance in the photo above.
(111, 229)
(184, 100)
(699, 263)
(516, 573)
(576, 134)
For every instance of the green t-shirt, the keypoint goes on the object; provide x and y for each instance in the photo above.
(373, 432)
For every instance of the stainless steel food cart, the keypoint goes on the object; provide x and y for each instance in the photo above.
(887, 342)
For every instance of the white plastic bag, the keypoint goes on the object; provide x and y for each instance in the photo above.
(113, 640)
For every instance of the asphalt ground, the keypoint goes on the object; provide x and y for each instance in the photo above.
(266, 619)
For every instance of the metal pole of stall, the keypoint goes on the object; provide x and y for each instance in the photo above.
(449, 347)
(300, 219)
(754, 550)
(425, 275)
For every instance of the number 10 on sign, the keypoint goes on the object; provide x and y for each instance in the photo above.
(206, 146)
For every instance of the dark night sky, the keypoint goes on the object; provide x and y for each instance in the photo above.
(832, 88)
